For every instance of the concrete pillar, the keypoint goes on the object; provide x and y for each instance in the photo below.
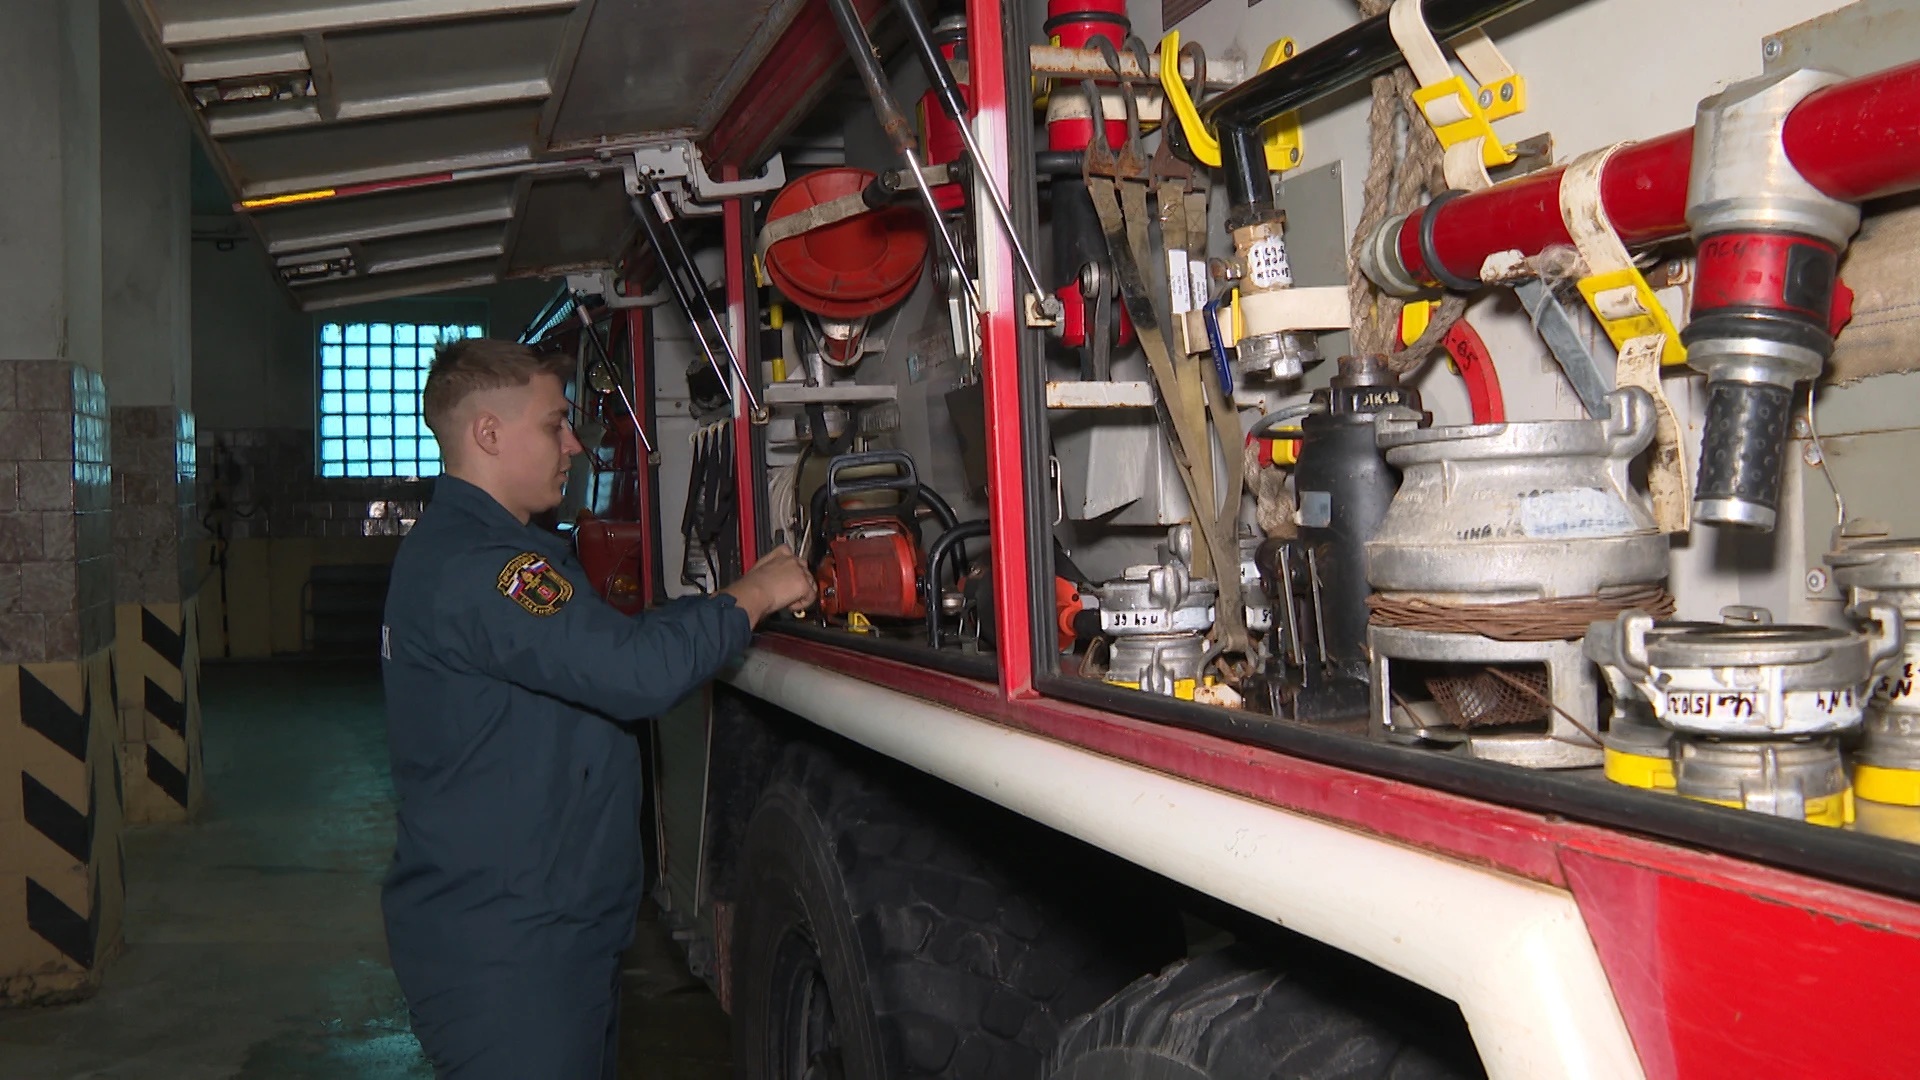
(60, 871)
(146, 332)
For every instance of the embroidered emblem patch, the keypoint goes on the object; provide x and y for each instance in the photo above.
(531, 581)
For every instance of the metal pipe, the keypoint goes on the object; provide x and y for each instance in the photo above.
(951, 100)
(1359, 52)
(866, 60)
(645, 214)
(656, 201)
(1249, 184)
(936, 558)
(606, 358)
(1856, 140)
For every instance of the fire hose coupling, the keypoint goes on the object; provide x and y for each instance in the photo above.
(1769, 253)
(1261, 249)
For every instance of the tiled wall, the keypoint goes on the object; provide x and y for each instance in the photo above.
(154, 519)
(56, 505)
(260, 482)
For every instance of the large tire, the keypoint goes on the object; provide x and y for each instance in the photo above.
(883, 936)
(1224, 1016)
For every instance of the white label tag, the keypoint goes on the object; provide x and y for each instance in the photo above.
(1178, 280)
(1133, 620)
(1707, 705)
(1202, 286)
(1577, 514)
(1267, 264)
(1259, 619)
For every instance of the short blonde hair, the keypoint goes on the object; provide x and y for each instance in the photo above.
(474, 365)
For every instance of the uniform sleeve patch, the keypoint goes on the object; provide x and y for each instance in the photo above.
(531, 581)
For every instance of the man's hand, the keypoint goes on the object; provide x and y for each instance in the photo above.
(778, 580)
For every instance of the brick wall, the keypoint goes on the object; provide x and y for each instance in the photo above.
(154, 503)
(56, 539)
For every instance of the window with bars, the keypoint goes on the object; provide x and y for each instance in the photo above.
(371, 375)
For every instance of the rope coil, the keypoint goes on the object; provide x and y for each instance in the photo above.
(1563, 618)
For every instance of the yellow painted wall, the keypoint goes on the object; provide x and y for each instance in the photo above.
(265, 592)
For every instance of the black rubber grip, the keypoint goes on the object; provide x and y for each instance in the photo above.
(1744, 448)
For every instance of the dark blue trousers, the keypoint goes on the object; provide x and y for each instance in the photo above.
(547, 1021)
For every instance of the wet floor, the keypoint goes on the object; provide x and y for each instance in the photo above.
(253, 941)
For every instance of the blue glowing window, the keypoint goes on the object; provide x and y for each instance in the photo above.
(360, 363)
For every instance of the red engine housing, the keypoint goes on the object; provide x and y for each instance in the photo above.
(875, 573)
(610, 554)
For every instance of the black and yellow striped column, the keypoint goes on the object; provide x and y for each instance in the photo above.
(157, 665)
(62, 864)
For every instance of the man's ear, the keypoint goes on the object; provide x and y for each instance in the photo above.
(486, 431)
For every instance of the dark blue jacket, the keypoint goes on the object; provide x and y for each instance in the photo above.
(510, 688)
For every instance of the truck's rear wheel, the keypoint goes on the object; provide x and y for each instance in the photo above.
(879, 936)
(1224, 1016)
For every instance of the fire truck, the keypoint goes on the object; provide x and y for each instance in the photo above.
(1354, 539)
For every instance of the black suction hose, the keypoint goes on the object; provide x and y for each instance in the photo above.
(952, 539)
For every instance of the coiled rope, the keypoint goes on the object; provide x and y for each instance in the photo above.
(1561, 618)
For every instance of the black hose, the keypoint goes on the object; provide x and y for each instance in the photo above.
(953, 538)
(941, 508)
(1359, 52)
(1060, 162)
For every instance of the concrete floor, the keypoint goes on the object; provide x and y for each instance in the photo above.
(254, 946)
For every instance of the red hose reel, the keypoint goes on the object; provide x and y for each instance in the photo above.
(852, 268)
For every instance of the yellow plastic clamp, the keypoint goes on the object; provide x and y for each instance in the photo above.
(1282, 140)
(1897, 787)
(1625, 305)
(1182, 689)
(1646, 771)
(1453, 109)
(1832, 811)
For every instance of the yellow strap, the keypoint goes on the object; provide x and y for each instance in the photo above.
(1282, 134)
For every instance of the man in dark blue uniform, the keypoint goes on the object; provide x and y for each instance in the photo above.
(516, 877)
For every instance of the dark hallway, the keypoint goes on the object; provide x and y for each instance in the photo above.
(254, 944)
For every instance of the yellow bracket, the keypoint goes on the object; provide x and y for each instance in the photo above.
(1282, 134)
(1455, 112)
(1626, 307)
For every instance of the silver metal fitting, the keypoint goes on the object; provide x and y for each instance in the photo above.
(1741, 175)
(1757, 681)
(1278, 356)
(1158, 618)
(1888, 571)
(1380, 260)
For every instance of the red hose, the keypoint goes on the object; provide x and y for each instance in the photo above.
(1856, 140)
(1470, 356)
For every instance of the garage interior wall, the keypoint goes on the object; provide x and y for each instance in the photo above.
(266, 518)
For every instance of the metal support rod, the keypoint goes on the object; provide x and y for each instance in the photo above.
(955, 105)
(656, 200)
(866, 59)
(644, 211)
(606, 358)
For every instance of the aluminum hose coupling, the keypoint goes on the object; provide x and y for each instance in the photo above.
(1769, 251)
